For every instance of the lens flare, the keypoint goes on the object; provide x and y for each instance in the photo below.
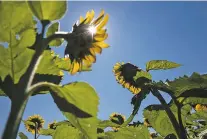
(92, 29)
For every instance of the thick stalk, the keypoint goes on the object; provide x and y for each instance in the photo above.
(18, 100)
(13, 122)
(171, 116)
(178, 105)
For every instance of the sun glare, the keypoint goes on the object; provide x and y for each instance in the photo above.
(92, 29)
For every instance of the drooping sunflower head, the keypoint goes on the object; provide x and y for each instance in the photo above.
(200, 107)
(86, 40)
(124, 73)
(35, 121)
(118, 119)
(52, 125)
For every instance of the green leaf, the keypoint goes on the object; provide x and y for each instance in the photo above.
(140, 132)
(51, 30)
(47, 64)
(188, 90)
(143, 74)
(159, 120)
(64, 132)
(161, 64)
(17, 30)
(16, 17)
(78, 101)
(14, 64)
(22, 136)
(47, 132)
(48, 10)
(2, 93)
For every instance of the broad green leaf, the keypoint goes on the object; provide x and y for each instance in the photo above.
(14, 64)
(78, 101)
(140, 132)
(66, 132)
(159, 120)
(199, 115)
(47, 65)
(188, 90)
(22, 136)
(48, 10)
(2, 93)
(66, 64)
(51, 30)
(161, 65)
(16, 17)
(17, 30)
(47, 132)
(143, 74)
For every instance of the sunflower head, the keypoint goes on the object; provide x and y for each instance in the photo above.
(200, 107)
(124, 73)
(118, 119)
(146, 122)
(86, 40)
(35, 121)
(52, 125)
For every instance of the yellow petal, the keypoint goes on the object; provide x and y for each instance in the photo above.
(92, 14)
(99, 19)
(81, 19)
(97, 49)
(101, 31)
(118, 73)
(104, 22)
(101, 37)
(90, 58)
(87, 62)
(92, 51)
(75, 67)
(101, 44)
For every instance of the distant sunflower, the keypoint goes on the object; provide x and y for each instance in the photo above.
(146, 123)
(118, 119)
(87, 39)
(52, 125)
(124, 73)
(200, 107)
(35, 119)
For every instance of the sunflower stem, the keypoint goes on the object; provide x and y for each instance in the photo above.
(135, 110)
(170, 114)
(35, 135)
(19, 101)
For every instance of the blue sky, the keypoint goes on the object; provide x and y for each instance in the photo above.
(138, 32)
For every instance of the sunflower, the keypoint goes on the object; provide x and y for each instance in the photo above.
(146, 123)
(118, 119)
(52, 125)
(32, 121)
(124, 73)
(200, 107)
(86, 40)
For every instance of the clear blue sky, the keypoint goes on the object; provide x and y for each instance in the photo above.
(138, 32)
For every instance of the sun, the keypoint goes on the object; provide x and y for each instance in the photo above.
(92, 29)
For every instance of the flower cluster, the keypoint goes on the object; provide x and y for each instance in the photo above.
(124, 73)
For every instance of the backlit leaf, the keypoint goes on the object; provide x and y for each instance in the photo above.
(161, 64)
(78, 101)
(48, 10)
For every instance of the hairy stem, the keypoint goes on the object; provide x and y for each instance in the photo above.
(18, 98)
(171, 116)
